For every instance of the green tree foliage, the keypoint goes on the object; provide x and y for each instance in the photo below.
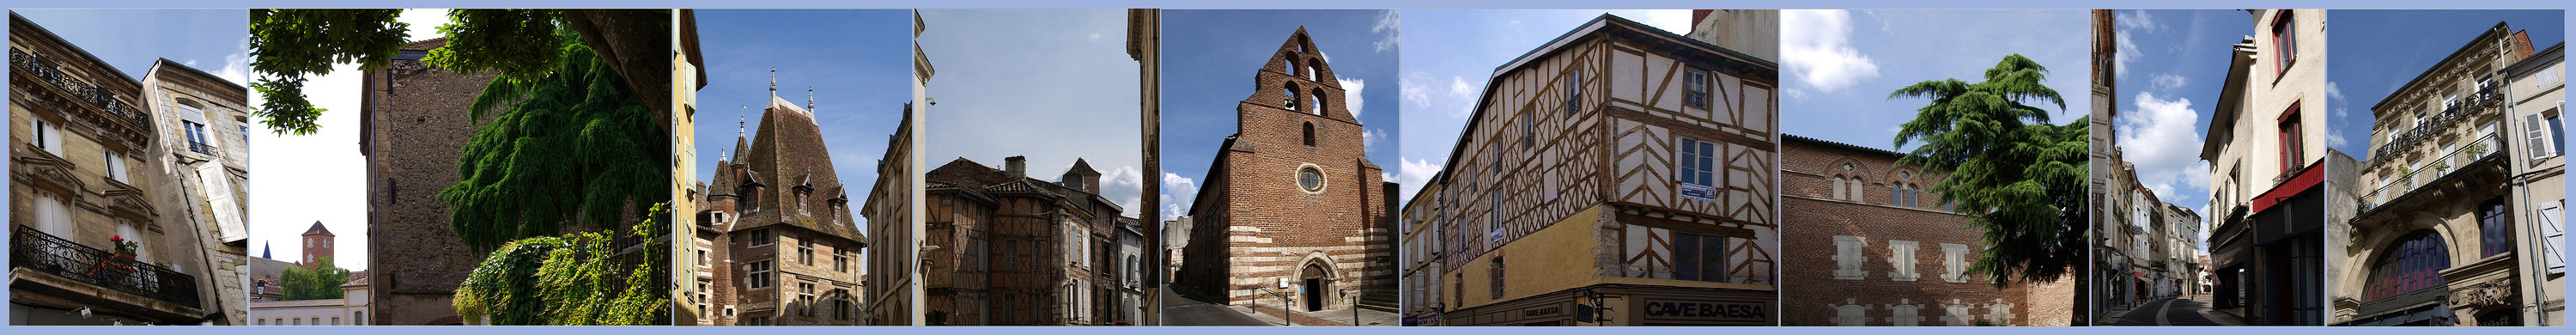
(2021, 179)
(320, 282)
(291, 44)
(578, 149)
(584, 278)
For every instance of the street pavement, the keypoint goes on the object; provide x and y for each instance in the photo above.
(2175, 311)
(1179, 310)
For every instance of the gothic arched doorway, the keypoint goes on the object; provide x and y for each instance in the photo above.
(1318, 280)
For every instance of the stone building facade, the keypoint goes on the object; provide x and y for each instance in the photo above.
(1292, 203)
(1420, 253)
(2446, 233)
(1003, 248)
(412, 131)
(2265, 153)
(779, 228)
(1621, 167)
(205, 126)
(889, 209)
(90, 168)
(1882, 250)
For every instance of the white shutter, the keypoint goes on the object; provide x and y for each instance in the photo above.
(53, 137)
(2537, 134)
(2553, 234)
(219, 194)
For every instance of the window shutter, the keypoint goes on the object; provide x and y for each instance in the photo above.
(2537, 134)
(2555, 235)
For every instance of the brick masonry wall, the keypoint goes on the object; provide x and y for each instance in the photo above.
(1812, 289)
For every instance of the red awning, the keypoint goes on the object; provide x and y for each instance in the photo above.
(2308, 177)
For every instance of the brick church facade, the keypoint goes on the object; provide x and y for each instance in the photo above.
(1880, 249)
(777, 243)
(1292, 203)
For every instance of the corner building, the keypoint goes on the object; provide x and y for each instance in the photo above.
(1291, 203)
(1880, 250)
(2448, 232)
(2267, 160)
(1005, 249)
(779, 229)
(97, 158)
(1618, 175)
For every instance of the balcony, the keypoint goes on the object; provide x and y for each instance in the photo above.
(51, 74)
(2407, 180)
(2458, 111)
(201, 148)
(34, 250)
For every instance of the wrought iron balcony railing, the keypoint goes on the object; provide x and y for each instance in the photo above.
(201, 147)
(2407, 179)
(2457, 111)
(37, 251)
(96, 96)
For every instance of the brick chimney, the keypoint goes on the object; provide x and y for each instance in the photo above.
(1016, 166)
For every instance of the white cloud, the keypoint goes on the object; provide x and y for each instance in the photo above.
(1459, 88)
(1794, 93)
(2138, 20)
(2167, 81)
(1387, 26)
(2334, 92)
(2128, 50)
(1369, 137)
(1816, 45)
(1351, 96)
(1123, 184)
(2334, 135)
(236, 68)
(1095, 37)
(1418, 172)
(1676, 21)
(1177, 187)
(1416, 89)
(2160, 137)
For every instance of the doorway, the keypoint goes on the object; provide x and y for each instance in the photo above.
(1318, 281)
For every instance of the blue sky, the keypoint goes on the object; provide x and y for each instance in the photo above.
(1838, 66)
(2171, 64)
(856, 61)
(2375, 51)
(1050, 84)
(1210, 57)
(212, 40)
(1452, 53)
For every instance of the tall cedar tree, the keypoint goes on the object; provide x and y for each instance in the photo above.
(571, 147)
(2020, 179)
(322, 281)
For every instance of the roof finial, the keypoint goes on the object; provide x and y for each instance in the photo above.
(809, 99)
(740, 121)
(773, 81)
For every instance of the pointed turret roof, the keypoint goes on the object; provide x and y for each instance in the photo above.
(318, 229)
(1081, 167)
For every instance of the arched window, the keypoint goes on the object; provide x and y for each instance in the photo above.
(1315, 101)
(1291, 94)
(1310, 134)
(1292, 68)
(1314, 69)
(2412, 262)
